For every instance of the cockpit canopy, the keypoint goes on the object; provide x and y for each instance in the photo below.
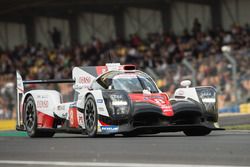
(131, 82)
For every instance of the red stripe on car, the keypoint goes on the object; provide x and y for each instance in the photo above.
(44, 120)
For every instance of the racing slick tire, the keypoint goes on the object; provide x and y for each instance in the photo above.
(90, 116)
(30, 120)
(193, 132)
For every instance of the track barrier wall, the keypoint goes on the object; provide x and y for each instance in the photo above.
(7, 125)
(242, 108)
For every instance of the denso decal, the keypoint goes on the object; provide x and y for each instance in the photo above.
(84, 80)
(42, 104)
(110, 129)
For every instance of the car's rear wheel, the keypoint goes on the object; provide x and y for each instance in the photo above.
(192, 132)
(90, 116)
(30, 120)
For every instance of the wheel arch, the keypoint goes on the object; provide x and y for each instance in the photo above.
(88, 94)
(26, 96)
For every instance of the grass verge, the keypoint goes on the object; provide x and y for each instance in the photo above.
(12, 134)
(238, 127)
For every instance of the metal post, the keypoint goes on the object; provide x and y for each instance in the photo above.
(191, 68)
(227, 53)
(119, 22)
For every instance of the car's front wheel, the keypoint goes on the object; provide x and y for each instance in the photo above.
(90, 116)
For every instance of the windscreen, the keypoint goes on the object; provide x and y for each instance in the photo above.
(133, 83)
(129, 82)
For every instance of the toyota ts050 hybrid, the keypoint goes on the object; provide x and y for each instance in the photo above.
(115, 99)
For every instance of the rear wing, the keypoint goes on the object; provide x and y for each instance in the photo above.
(20, 92)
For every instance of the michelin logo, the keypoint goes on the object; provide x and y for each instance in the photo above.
(109, 129)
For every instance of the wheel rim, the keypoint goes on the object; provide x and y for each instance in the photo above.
(30, 115)
(90, 115)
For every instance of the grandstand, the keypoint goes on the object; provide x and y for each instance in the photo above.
(170, 39)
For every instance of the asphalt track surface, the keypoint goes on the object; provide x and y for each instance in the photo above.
(220, 148)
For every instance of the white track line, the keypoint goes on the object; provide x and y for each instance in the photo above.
(100, 164)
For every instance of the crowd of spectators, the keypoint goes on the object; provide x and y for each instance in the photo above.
(161, 52)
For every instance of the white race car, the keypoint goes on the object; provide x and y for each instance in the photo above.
(115, 99)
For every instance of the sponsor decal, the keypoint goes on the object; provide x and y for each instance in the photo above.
(80, 118)
(110, 129)
(100, 109)
(61, 107)
(84, 80)
(42, 104)
(153, 97)
(113, 66)
(157, 97)
(159, 101)
(73, 117)
(167, 110)
(42, 96)
(180, 93)
(99, 101)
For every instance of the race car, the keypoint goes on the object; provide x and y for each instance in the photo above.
(115, 99)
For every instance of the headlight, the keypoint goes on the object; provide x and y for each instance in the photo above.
(117, 103)
(118, 100)
(208, 98)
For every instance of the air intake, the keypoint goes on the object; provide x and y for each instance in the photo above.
(128, 67)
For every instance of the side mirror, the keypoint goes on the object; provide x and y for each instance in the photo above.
(186, 83)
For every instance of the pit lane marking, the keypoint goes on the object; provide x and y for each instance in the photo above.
(102, 164)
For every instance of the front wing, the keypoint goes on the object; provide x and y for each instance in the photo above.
(153, 129)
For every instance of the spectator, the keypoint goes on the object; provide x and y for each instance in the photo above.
(56, 37)
(161, 52)
(196, 26)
